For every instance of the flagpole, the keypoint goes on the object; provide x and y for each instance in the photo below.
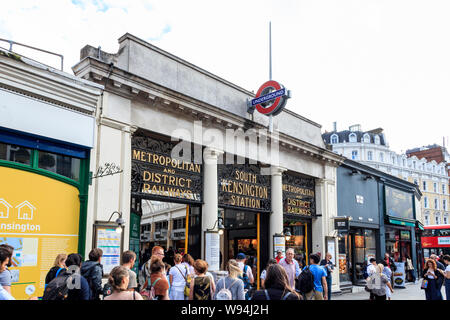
(270, 71)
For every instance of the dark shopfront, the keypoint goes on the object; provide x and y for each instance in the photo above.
(244, 202)
(299, 208)
(356, 246)
(399, 224)
(358, 221)
(156, 176)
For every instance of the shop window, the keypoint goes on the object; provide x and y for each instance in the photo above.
(63, 165)
(15, 153)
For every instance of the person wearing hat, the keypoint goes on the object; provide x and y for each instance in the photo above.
(247, 274)
(279, 255)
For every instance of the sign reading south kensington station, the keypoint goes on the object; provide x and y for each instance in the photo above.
(243, 186)
(158, 176)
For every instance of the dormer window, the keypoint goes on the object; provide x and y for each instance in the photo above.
(366, 138)
(334, 139)
(352, 137)
(377, 139)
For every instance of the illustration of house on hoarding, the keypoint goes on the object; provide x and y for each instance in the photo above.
(4, 209)
(26, 211)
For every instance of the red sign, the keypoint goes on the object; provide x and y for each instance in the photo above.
(270, 98)
(435, 242)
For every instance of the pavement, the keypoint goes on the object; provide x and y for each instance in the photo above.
(411, 291)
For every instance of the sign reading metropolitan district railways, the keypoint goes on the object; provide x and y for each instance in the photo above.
(158, 176)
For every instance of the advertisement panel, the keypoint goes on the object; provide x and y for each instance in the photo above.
(399, 204)
(434, 242)
(39, 217)
(399, 275)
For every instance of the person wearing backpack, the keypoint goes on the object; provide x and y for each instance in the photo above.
(178, 278)
(202, 287)
(247, 275)
(118, 279)
(319, 277)
(230, 287)
(92, 270)
(70, 284)
(276, 286)
(58, 266)
(157, 284)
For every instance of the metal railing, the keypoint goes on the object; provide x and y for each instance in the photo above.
(11, 43)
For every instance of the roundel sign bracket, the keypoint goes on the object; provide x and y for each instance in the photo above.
(270, 99)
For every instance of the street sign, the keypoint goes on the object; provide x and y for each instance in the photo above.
(270, 99)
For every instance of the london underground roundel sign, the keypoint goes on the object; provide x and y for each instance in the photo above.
(270, 98)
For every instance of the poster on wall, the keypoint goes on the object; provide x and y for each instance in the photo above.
(331, 248)
(399, 275)
(279, 243)
(109, 241)
(342, 263)
(39, 218)
(212, 250)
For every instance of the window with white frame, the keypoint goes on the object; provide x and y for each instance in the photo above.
(352, 137)
(425, 202)
(369, 155)
(426, 218)
(381, 157)
(437, 218)
(355, 155)
(436, 204)
(366, 138)
(444, 205)
(424, 185)
(435, 187)
(334, 139)
(445, 218)
(443, 188)
(414, 164)
(377, 139)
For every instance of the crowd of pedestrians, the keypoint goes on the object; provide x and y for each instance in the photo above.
(180, 277)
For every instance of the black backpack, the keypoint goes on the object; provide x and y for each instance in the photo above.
(305, 281)
(57, 289)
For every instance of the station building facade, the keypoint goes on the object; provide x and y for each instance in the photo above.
(156, 105)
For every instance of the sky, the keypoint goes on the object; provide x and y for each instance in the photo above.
(375, 63)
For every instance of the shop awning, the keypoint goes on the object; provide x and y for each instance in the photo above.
(419, 225)
(402, 222)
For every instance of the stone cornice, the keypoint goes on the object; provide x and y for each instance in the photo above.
(49, 85)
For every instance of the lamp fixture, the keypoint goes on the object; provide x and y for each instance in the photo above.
(119, 221)
(287, 234)
(220, 226)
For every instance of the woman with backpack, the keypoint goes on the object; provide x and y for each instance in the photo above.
(231, 287)
(188, 261)
(276, 286)
(201, 288)
(58, 266)
(119, 278)
(178, 276)
(158, 282)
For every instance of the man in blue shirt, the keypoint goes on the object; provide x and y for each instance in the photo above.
(320, 279)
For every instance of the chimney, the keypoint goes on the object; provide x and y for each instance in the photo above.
(334, 126)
